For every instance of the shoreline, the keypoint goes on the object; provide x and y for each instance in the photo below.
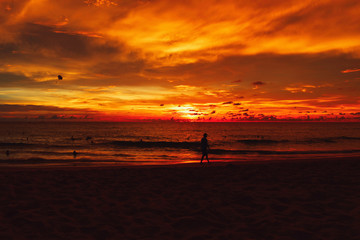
(41, 163)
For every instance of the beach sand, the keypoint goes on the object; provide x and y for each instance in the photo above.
(317, 199)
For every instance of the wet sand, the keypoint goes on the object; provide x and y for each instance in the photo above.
(310, 199)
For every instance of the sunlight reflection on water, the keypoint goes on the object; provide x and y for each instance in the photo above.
(170, 142)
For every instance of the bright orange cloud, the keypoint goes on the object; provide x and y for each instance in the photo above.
(351, 70)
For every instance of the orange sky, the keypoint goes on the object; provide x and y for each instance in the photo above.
(189, 59)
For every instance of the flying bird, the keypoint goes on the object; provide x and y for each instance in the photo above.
(60, 77)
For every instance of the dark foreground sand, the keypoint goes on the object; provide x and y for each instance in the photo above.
(279, 200)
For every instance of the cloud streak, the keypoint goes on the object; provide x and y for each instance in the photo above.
(351, 70)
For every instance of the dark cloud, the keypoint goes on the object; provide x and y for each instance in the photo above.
(321, 70)
(258, 83)
(8, 79)
(118, 68)
(19, 80)
(226, 103)
(16, 53)
(122, 80)
(47, 46)
(7, 51)
(329, 14)
(15, 111)
(32, 108)
(305, 68)
(37, 38)
(237, 81)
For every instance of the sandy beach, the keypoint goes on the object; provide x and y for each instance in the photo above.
(310, 199)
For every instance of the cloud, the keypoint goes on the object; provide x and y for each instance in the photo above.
(19, 81)
(99, 3)
(12, 79)
(258, 83)
(237, 81)
(351, 70)
(181, 33)
(117, 68)
(49, 42)
(44, 112)
(32, 108)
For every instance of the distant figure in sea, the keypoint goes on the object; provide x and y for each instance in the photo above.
(7, 153)
(75, 153)
(204, 148)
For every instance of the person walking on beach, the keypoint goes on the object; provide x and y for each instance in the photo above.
(204, 148)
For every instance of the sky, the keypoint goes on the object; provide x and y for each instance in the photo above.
(191, 60)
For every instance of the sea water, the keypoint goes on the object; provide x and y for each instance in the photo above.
(174, 142)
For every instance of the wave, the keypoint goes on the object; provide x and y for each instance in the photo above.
(40, 160)
(327, 139)
(218, 151)
(305, 141)
(261, 141)
(269, 152)
(173, 144)
(157, 144)
(195, 146)
(349, 138)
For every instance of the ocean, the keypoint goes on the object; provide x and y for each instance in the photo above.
(156, 143)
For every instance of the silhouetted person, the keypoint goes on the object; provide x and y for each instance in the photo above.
(75, 154)
(7, 152)
(204, 148)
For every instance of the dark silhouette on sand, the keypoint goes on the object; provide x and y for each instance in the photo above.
(204, 148)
